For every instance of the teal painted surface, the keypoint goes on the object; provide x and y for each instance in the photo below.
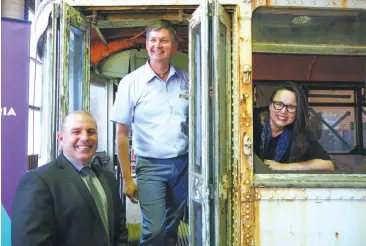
(5, 228)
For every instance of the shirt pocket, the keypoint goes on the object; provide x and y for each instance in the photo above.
(181, 104)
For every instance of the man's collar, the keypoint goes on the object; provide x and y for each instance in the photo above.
(76, 164)
(150, 74)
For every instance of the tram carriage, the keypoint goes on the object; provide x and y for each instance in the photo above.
(242, 49)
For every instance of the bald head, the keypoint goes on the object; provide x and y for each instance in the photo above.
(74, 114)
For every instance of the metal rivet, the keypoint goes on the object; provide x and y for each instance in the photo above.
(247, 211)
(247, 216)
(248, 206)
(248, 235)
(247, 181)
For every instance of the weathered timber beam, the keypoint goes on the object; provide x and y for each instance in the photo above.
(100, 34)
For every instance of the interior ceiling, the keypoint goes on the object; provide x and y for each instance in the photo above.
(120, 29)
(115, 30)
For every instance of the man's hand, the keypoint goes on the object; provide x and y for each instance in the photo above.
(130, 190)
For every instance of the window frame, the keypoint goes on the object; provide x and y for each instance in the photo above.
(32, 107)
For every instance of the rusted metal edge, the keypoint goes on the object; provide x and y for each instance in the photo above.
(319, 49)
(310, 180)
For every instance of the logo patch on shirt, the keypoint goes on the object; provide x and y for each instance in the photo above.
(184, 90)
(184, 95)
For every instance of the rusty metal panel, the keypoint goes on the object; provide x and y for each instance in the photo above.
(315, 221)
(245, 198)
(235, 127)
(311, 3)
(221, 40)
(141, 2)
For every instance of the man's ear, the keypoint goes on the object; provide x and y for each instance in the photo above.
(60, 137)
(175, 46)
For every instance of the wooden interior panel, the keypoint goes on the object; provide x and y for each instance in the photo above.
(314, 68)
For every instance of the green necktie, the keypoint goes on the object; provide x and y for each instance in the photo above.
(86, 172)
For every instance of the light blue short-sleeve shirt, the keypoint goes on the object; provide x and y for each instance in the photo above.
(156, 110)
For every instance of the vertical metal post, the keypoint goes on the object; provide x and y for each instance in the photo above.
(358, 120)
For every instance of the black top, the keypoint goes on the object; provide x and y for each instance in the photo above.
(314, 151)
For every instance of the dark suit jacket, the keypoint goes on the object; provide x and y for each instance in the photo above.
(53, 206)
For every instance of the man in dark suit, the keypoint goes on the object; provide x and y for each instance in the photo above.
(70, 201)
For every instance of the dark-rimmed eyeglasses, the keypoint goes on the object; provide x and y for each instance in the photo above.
(280, 105)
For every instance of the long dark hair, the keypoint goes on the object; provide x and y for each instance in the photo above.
(300, 128)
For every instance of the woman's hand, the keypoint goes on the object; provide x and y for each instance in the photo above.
(315, 164)
(274, 165)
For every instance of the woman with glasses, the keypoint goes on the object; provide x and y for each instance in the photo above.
(282, 135)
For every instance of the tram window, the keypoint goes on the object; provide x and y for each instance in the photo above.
(333, 122)
(197, 100)
(308, 31)
(323, 51)
(76, 73)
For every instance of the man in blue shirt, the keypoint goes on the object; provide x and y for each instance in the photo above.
(153, 101)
